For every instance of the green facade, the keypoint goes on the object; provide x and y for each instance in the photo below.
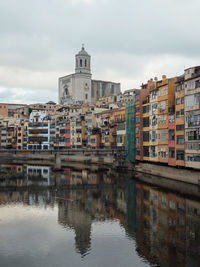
(130, 132)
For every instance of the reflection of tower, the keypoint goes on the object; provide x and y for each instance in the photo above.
(71, 214)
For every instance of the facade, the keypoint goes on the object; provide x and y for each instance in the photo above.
(180, 121)
(104, 89)
(166, 102)
(192, 117)
(38, 131)
(153, 131)
(79, 87)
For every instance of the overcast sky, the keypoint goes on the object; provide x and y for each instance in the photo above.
(130, 41)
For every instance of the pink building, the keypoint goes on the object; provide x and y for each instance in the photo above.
(67, 134)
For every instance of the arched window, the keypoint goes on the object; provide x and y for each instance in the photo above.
(85, 62)
(80, 62)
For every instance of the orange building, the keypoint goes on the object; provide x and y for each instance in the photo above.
(166, 102)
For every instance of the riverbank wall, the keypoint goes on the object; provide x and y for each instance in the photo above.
(184, 175)
(110, 158)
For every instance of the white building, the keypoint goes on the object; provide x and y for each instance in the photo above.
(80, 88)
(39, 130)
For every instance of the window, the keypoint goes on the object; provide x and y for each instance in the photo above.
(172, 205)
(171, 152)
(67, 131)
(146, 122)
(161, 119)
(145, 109)
(153, 95)
(137, 109)
(195, 158)
(178, 101)
(137, 140)
(180, 139)
(180, 154)
(137, 130)
(67, 140)
(178, 114)
(190, 101)
(92, 91)
(85, 63)
(193, 135)
(182, 111)
(180, 127)
(182, 100)
(120, 139)
(163, 134)
(153, 136)
(86, 96)
(193, 120)
(112, 89)
(197, 84)
(145, 136)
(162, 105)
(67, 123)
(179, 87)
(103, 89)
(154, 107)
(81, 63)
(137, 152)
(163, 91)
(171, 135)
(106, 139)
(137, 119)
(78, 139)
(93, 140)
(137, 98)
(62, 131)
(146, 151)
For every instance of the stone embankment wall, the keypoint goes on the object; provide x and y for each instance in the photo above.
(183, 175)
(107, 157)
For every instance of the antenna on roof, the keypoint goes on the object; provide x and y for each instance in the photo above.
(82, 46)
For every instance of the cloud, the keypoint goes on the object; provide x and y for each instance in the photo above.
(126, 39)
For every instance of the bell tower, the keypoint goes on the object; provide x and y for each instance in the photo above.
(83, 62)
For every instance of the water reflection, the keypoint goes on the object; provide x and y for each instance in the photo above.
(157, 226)
(35, 175)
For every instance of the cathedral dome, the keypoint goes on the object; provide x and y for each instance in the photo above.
(83, 52)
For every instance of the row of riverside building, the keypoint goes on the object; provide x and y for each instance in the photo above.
(159, 123)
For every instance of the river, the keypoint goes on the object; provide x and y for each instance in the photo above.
(94, 218)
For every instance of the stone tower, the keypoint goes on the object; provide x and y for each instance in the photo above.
(83, 62)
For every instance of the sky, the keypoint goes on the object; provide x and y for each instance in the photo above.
(129, 41)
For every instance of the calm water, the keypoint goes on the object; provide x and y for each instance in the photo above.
(115, 220)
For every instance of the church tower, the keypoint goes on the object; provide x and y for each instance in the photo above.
(83, 62)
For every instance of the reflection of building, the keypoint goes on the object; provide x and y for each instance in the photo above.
(38, 174)
(168, 227)
(192, 232)
(72, 214)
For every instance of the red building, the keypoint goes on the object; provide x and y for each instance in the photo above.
(67, 134)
